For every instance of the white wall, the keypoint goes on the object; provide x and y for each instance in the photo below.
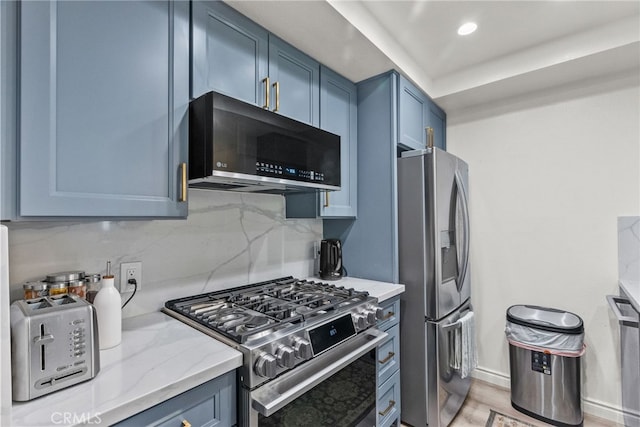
(549, 175)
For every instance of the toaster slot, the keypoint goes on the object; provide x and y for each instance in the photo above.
(51, 381)
(41, 341)
(37, 304)
(62, 299)
(42, 355)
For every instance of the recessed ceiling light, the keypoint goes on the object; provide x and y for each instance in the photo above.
(467, 28)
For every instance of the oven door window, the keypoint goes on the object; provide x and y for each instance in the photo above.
(347, 398)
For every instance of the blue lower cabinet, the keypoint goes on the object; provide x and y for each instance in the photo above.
(210, 404)
(388, 365)
(389, 354)
(388, 404)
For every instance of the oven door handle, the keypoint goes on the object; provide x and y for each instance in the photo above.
(276, 394)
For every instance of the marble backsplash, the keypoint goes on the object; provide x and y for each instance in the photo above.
(229, 239)
(629, 248)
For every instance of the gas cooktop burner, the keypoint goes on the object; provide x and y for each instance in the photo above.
(280, 324)
(248, 312)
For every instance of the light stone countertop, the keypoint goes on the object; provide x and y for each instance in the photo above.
(381, 290)
(159, 358)
(632, 289)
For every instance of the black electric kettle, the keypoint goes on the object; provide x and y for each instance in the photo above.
(331, 259)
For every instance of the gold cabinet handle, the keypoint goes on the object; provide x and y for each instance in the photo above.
(392, 403)
(266, 93)
(388, 315)
(276, 85)
(183, 182)
(386, 359)
(429, 137)
(326, 199)
(186, 423)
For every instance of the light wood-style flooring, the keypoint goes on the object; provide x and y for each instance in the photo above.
(484, 396)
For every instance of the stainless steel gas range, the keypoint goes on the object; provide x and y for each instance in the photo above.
(308, 349)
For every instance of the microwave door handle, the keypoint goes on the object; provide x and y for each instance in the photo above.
(461, 197)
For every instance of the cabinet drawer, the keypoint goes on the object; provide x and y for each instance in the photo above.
(388, 405)
(388, 359)
(210, 404)
(391, 313)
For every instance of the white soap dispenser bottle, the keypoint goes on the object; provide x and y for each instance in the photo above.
(108, 312)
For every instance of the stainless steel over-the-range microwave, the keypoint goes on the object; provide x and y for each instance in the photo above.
(238, 146)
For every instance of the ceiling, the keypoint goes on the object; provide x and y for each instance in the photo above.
(519, 47)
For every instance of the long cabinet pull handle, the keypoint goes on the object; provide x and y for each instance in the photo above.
(386, 359)
(429, 137)
(388, 315)
(392, 403)
(183, 182)
(266, 93)
(276, 85)
(326, 199)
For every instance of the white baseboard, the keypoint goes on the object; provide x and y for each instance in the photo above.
(492, 377)
(591, 406)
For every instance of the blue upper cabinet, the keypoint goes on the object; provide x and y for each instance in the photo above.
(338, 114)
(235, 56)
(412, 116)
(295, 82)
(437, 120)
(417, 114)
(386, 103)
(230, 53)
(103, 97)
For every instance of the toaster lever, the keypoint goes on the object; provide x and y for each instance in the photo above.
(43, 339)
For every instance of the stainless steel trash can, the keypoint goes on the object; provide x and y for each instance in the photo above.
(545, 351)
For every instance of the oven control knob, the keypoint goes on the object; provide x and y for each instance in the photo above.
(266, 365)
(302, 348)
(360, 320)
(373, 314)
(285, 356)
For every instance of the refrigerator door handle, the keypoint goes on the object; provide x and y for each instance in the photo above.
(614, 301)
(462, 197)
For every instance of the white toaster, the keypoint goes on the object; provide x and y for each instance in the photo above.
(54, 344)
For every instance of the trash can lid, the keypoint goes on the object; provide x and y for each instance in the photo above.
(545, 318)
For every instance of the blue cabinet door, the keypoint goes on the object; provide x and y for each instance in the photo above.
(8, 108)
(212, 404)
(437, 120)
(412, 115)
(295, 82)
(230, 53)
(103, 108)
(235, 56)
(338, 114)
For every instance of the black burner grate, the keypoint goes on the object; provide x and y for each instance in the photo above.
(255, 310)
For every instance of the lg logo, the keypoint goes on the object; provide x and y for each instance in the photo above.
(221, 165)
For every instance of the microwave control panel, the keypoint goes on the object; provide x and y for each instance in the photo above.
(276, 170)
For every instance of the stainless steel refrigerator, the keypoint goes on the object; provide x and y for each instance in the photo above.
(433, 226)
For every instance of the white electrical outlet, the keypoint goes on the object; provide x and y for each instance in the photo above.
(128, 271)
